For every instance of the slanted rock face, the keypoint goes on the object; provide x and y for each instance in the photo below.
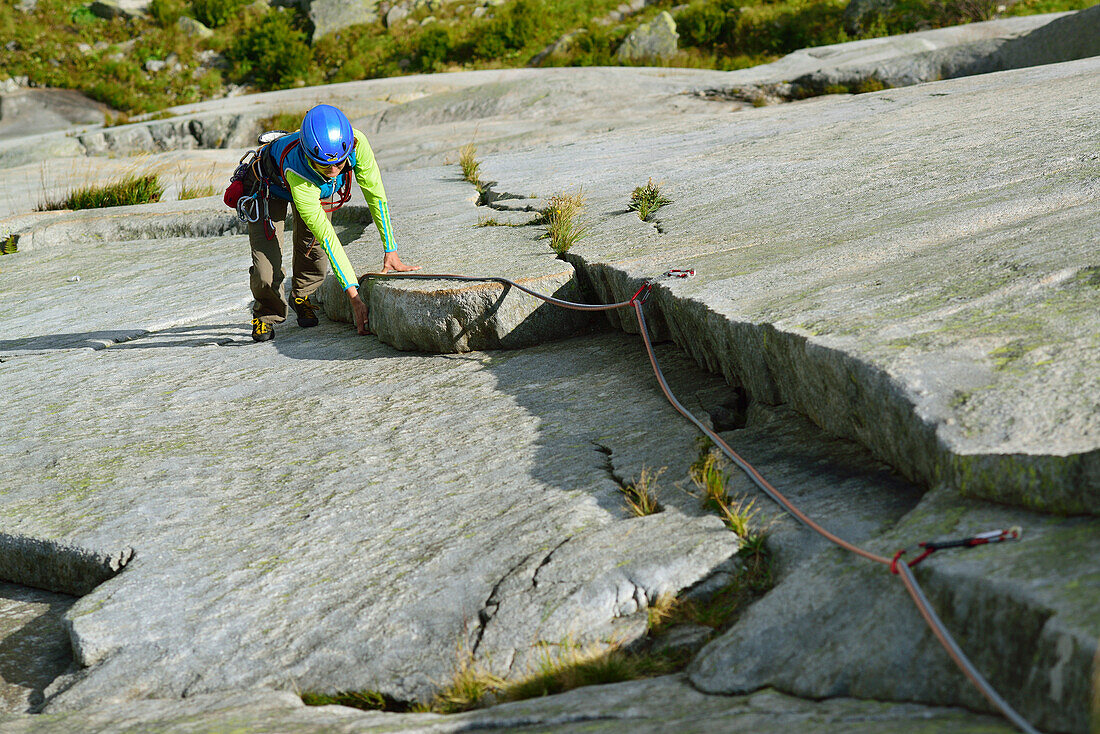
(656, 39)
(327, 512)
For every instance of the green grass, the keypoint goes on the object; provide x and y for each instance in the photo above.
(647, 199)
(271, 49)
(562, 219)
(127, 190)
(365, 700)
(9, 245)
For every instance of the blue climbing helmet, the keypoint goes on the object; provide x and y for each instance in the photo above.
(326, 135)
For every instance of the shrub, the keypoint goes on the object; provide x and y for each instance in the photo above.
(214, 13)
(166, 13)
(514, 26)
(432, 48)
(706, 22)
(273, 52)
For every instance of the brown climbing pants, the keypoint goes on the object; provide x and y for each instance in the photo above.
(266, 274)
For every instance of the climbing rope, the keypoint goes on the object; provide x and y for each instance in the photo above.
(903, 569)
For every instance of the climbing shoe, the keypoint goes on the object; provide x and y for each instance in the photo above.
(307, 312)
(262, 331)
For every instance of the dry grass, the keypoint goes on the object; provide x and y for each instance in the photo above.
(286, 120)
(640, 495)
(196, 186)
(562, 220)
(467, 159)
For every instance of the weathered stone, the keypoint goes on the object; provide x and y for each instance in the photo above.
(395, 14)
(119, 8)
(34, 646)
(1024, 612)
(44, 110)
(655, 39)
(654, 705)
(332, 15)
(193, 28)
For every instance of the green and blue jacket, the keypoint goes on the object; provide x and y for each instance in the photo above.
(306, 188)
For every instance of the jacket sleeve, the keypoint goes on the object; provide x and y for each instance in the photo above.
(370, 181)
(307, 200)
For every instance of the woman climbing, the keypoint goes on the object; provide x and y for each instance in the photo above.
(311, 169)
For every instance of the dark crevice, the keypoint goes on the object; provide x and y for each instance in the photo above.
(609, 466)
(492, 603)
(731, 414)
(546, 561)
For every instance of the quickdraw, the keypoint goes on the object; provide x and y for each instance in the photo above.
(931, 546)
(677, 273)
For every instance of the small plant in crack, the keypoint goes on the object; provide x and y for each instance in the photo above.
(708, 474)
(9, 245)
(640, 495)
(647, 199)
(562, 220)
(470, 685)
(365, 700)
(467, 159)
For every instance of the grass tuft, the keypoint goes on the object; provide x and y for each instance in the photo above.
(467, 158)
(197, 187)
(640, 495)
(708, 474)
(567, 666)
(130, 189)
(470, 685)
(365, 700)
(9, 245)
(285, 120)
(562, 220)
(647, 199)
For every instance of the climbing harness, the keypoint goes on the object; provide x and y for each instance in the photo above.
(253, 207)
(908, 580)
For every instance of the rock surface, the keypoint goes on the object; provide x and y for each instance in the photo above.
(34, 646)
(657, 705)
(912, 270)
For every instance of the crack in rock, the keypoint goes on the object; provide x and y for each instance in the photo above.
(492, 603)
(609, 466)
(546, 561)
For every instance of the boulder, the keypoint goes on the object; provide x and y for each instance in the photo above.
(332, 15)
(397, 13)
(193, 28)
(655, 39)
(119, 8)
(1023, 611)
